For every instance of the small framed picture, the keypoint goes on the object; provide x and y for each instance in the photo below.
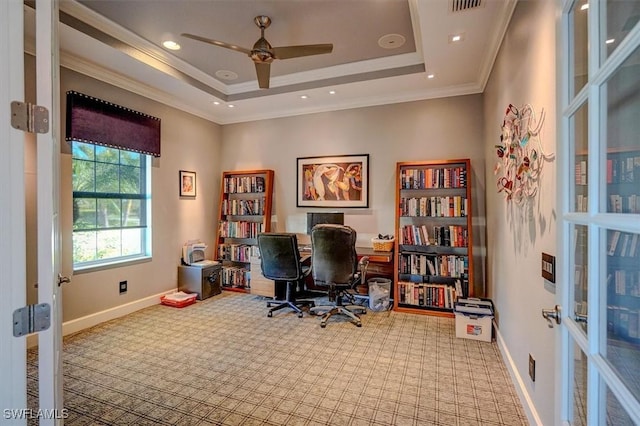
(187, 184)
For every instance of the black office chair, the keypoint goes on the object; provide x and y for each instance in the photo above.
(280, 261)
(335, 265)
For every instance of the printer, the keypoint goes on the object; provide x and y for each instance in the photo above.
(193, 254)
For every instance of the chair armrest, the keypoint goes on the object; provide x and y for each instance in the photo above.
(363, 264)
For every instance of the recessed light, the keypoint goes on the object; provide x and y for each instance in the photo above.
(226, 75)
(430, 76)
(171, 45)
(303, 97)
(216, 103)
(391, 41)
(332, 92)
(584, 6)
(610, 41)
(456, 38)
(231, 106)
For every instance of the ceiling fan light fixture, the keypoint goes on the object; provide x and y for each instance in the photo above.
(261, 56)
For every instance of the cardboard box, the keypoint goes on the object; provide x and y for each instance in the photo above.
(474, 319)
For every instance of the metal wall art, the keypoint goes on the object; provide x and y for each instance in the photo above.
(520, 154)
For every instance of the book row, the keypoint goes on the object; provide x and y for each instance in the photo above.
(442, 265)
(235, 276)
(243, 207)
(623, 244)
(230, 229)
(428, 178)
(624, 204)
(623, 322)
(449, 206)
(237, 252)
(242, 184)
(624, 283)
(429, 295)
(625, 169)
(418, 235)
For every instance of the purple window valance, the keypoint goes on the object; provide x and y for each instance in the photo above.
(102, 123)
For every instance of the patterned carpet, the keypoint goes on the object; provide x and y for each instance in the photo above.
(223, 362)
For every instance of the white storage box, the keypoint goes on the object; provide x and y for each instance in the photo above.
(474, 319)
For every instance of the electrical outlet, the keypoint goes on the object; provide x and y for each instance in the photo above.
(532, 368)
(123, 287)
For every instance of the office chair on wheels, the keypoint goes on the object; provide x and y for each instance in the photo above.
(280, 261)
(335, 265)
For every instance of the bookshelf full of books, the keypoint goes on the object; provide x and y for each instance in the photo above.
(433, 260)
(245, 211)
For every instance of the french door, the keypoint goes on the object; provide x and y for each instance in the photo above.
(599, 187)
(12, 216)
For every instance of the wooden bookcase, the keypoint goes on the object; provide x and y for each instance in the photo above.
(245, 211)
(433, 253)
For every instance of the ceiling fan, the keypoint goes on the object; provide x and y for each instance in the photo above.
(263, 53)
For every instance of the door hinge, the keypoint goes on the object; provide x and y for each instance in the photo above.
(29, 118)
(31, 319)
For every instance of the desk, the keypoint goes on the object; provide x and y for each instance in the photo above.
(380, 265)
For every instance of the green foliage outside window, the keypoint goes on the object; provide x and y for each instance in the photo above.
(110, 204)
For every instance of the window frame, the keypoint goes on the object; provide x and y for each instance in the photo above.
(144, 195)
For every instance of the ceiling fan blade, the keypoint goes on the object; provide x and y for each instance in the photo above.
(217, 43)
(263, 71)
(287, 52)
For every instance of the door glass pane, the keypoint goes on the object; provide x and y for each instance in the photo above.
(616, 414)
(623, 144)
(579, 415)
(621, 17)
(579, 123)
(580, 275)
(623, 306)
(579, 47)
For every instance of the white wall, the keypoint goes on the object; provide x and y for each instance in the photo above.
(188, 143)
(524, 72)
(416, 131)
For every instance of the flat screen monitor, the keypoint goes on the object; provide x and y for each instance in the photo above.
(314, 219)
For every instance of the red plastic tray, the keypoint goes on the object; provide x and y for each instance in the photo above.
(181, 304)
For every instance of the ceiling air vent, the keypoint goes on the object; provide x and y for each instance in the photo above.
(460, 5)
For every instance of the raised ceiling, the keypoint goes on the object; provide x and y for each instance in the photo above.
(120, 41)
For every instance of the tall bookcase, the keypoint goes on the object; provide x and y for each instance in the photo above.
(245, 211)
(434, 261)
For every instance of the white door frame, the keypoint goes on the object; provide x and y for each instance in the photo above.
(48, 188)
(13, 392)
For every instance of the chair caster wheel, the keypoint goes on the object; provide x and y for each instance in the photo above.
(300, 315)
(323, 325)
(359, 324)
(269, 314)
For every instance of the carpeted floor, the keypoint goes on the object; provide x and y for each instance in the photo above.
(223, 362)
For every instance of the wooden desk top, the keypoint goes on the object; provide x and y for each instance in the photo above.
(374, 256)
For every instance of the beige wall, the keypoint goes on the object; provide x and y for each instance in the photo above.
(524, 72)
(188, 143)
(415, 131)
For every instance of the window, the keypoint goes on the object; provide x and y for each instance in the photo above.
(111, 205)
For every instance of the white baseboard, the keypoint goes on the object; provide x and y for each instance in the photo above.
(82, 323)
(521, 389)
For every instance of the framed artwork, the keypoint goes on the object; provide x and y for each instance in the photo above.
(333, 181)
(187, 184)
